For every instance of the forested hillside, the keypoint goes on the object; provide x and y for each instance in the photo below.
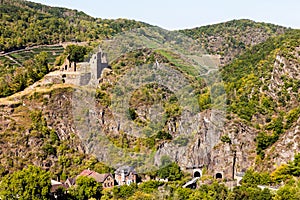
(232, 38)
(263, 88)
(62, 129)
(254, 83)
(24, 24)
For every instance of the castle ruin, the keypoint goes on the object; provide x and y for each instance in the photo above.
(84, 73)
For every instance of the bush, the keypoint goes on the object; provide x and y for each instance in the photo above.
(150, 186)
(241, 193)
(124, 191)
(213, 191)
(276, 125)
(252, 178)
(226, 139)
(49, 149)
(263, 141)
(162, 135)
(291, 117)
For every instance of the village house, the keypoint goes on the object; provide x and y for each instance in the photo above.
(125, 175)
(55, 185)
(70, 182)
(107, 179)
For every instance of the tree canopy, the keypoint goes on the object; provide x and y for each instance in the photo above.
(172, 172)
(30, 183)
(86, 188)
(76, 53)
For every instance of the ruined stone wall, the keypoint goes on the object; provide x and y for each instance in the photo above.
(97, 63)
(72, 78)
(86, 72)
(85, 79)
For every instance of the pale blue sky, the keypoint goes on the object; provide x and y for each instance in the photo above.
(175, 14)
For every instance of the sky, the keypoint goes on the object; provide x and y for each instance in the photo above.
(181, 14)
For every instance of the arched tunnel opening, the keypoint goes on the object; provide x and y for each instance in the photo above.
(197, 174)
(219, 175)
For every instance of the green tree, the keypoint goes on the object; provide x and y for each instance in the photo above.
(141, 195)
(76, 53)
(61, 193)
(252, 178)
(244, 193)
(41, 62)
(172, 172)
(86, 188)
(30, 183)
(163, 135)
(263, 141)
(294, 166)
(289, 191)
(124, 191)
(150, 186)
(182, 193)
(213, 191)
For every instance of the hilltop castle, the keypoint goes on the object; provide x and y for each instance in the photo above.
(84, 73)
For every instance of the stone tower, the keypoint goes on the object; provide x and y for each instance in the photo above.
(98, 62)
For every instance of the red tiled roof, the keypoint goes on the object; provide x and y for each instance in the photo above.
(86, 172)
(98, 177)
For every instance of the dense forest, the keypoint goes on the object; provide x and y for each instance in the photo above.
(26, 24)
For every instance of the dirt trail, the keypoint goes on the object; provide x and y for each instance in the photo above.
(12, 59)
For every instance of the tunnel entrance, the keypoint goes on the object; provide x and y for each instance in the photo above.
(197, 174)
(219, 175)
